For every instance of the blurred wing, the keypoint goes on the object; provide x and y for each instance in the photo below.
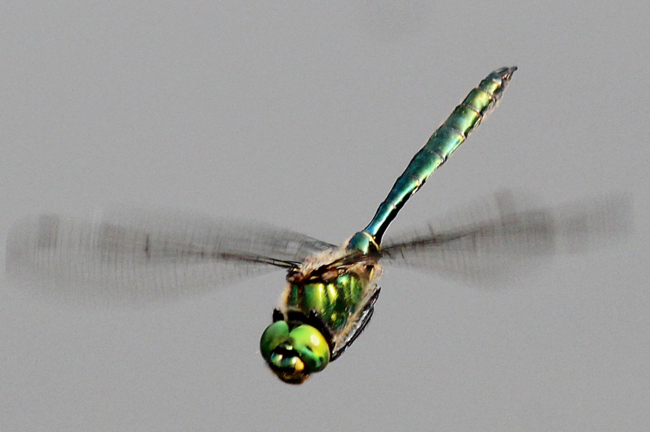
(128, 255)
(491, 240)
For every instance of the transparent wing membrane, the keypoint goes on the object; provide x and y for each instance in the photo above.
(491, 240)
(129, 255)
(132, 256)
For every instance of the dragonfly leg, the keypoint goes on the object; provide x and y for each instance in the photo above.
(277, 315)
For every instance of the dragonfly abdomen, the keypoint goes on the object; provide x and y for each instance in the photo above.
(444, 141)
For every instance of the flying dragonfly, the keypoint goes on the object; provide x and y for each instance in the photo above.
(331, 291)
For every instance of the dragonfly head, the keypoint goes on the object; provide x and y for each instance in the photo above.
(294, 354)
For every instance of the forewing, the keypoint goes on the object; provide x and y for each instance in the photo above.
(129, 255)
(490, 241)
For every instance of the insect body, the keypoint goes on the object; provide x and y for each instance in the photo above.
(331, 291)
(330, 297)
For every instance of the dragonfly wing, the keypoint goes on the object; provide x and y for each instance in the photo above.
(490, 241)
(129, 255)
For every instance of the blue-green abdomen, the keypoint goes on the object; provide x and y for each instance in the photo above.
(444, 141)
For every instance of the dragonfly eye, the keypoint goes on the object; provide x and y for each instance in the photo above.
(294, 355)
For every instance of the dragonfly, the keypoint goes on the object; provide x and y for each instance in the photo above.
(330, 291)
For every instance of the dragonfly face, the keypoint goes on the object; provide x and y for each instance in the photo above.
(295, 354)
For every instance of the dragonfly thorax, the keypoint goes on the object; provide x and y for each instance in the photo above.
(331, 290)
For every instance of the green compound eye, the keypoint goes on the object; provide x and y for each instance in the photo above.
(311, 346)
(274, 335)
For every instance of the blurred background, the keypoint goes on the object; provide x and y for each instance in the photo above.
(302, 114)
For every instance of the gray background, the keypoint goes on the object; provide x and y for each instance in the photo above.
(302, 114)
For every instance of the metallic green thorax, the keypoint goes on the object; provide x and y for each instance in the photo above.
(334, 299)
(444, 141)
